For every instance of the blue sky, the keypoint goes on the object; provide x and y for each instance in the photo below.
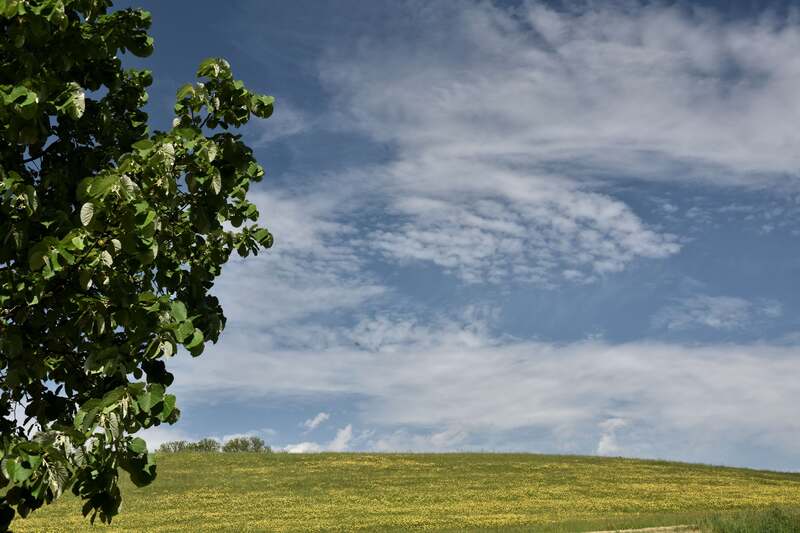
(552, 227)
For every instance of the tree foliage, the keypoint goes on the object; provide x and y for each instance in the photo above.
(236, 444)
(246, 444)
(112, 236)
(177, 446)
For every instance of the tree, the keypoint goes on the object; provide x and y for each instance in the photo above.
(245, 444)
(112, 236)
(205, 445)
(177, 446)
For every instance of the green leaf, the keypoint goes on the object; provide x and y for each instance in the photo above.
(110, 247)
(87, 413)
(195, 341)
(145, 401)
(262, 106)
(178, 311)
(169, 406)
(137, 445)
(185, 91)
(14, 471)
(87, 212)
(143, 146)
(184, 330)
(111, 398)
(263, 237)
(156, 392)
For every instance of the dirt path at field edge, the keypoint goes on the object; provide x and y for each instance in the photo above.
(664, 529)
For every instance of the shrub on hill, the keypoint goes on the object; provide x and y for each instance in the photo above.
(236, 444)
(246, 444)
(203, 445)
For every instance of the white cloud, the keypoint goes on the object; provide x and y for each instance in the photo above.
(339, 443)
(608, 445)
(448, 439)
(263, 433)
(677, 400)
(157, 435)
(312, 267)
(287, 120)
(717, 312)
(342, 439)
(303, 447)
(507, 148)
(507, 139)
(637, 90)
(313, 423)
(524, 232)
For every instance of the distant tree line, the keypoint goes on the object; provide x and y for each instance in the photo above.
(237, 444)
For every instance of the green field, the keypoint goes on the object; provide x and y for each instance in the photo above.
(432, 492)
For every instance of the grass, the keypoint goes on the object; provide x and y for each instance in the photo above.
(433, 492)
(775, 520)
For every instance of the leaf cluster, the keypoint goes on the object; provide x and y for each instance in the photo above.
(112, 237)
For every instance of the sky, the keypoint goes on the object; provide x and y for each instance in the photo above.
(557, 227)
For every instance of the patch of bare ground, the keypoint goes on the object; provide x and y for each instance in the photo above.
(667, 529)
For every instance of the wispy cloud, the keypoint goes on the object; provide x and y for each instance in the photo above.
(509, 133)
(312, 268)
(717, 312)
(287, 120)
(447, 439)
(457, 376)
(508, 138)
(642, 90)
(313, 423)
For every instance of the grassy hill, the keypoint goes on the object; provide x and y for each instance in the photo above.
(434, 492)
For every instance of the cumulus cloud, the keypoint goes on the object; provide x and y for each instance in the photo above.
(342, 439)
(313, 423)
(339, 443)
(303, 447)
(608, 445)
(157, 435)
(717, 312)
